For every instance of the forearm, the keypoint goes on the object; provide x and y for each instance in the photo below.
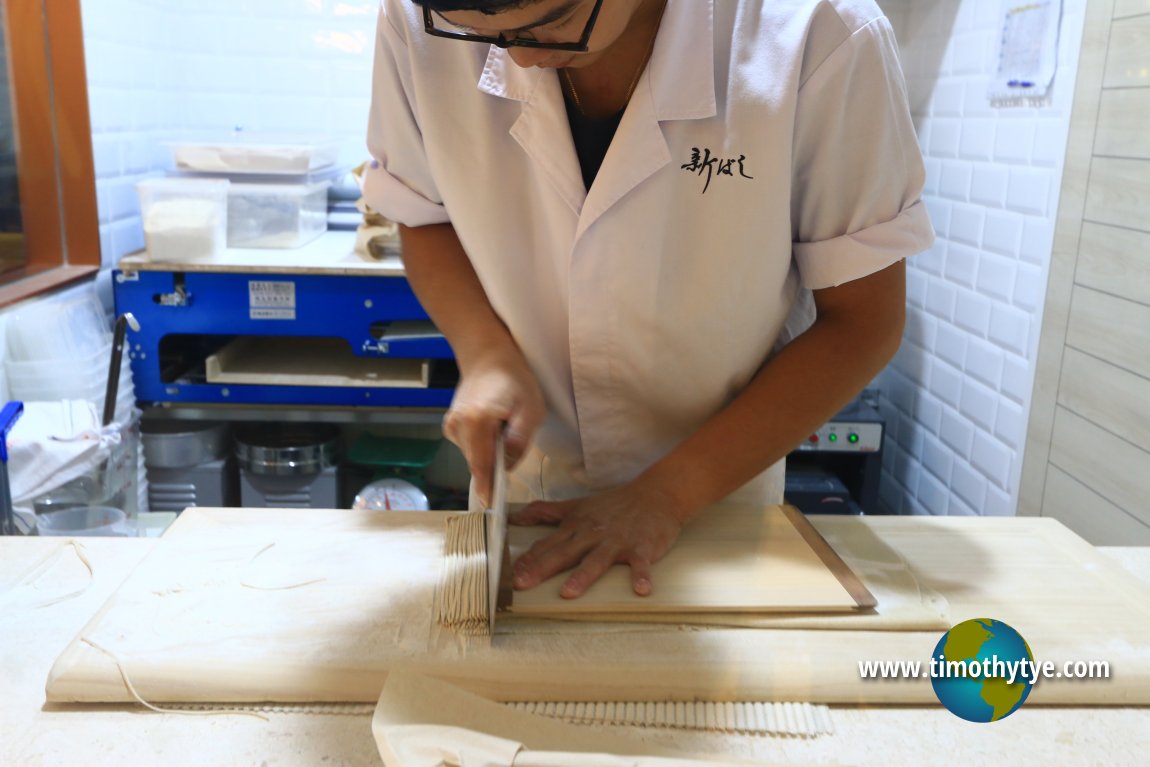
(449, 290)
(497, 391)
(791, 396)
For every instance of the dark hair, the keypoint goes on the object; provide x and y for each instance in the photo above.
(490, 7)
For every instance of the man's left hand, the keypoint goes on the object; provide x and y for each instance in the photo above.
(623, 526)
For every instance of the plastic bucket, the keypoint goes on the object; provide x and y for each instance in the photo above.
(101, 521)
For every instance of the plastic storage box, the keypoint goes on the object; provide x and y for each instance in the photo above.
(184, 219)
(276, 215)
(255, 153)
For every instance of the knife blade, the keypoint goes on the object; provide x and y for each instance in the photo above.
(495, 530)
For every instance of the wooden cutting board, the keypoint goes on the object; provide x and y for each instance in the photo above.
(310, 362)
(303, 605)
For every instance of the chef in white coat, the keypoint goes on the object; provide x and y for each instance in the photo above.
(624, 214)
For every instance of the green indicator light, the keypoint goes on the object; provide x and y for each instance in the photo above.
(853, 438)
(833, 438)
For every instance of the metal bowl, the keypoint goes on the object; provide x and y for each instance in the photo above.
(174, 444)
(286, 449)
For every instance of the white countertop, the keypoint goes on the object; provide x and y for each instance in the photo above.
(31, 637)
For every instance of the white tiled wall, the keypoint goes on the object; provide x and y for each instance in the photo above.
(957, 395)
(163, 69)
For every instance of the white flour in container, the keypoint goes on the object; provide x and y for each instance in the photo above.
(183, 230)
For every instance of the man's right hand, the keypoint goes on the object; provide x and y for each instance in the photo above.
(496, 388)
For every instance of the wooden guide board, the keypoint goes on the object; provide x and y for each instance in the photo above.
(727, 560)
(310, 362)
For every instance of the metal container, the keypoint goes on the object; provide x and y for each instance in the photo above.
(286, 449)
(211, 484)
(174, 444)
(311, 491)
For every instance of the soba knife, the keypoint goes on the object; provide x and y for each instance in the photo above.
(495, 530)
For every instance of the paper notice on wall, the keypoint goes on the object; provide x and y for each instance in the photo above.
(1027, 54)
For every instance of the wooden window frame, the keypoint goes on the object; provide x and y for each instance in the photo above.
(57, 176)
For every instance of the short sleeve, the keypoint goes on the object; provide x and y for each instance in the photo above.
(858, 171)
(398, 182)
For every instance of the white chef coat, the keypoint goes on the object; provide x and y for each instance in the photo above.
(647, 303)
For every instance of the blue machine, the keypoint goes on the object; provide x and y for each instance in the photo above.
(187, 315)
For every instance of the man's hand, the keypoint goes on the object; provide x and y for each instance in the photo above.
(629, 525)
(497, 388)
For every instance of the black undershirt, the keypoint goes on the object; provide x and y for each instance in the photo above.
(592, 137)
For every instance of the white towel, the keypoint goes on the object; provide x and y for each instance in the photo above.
(425, 722)
(52, 444)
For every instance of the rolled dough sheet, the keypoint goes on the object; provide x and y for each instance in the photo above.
(217, 613)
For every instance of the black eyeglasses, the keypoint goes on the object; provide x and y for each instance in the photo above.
(503, 41)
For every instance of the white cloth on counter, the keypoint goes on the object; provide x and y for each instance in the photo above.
(425, 722)
(52, 444)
